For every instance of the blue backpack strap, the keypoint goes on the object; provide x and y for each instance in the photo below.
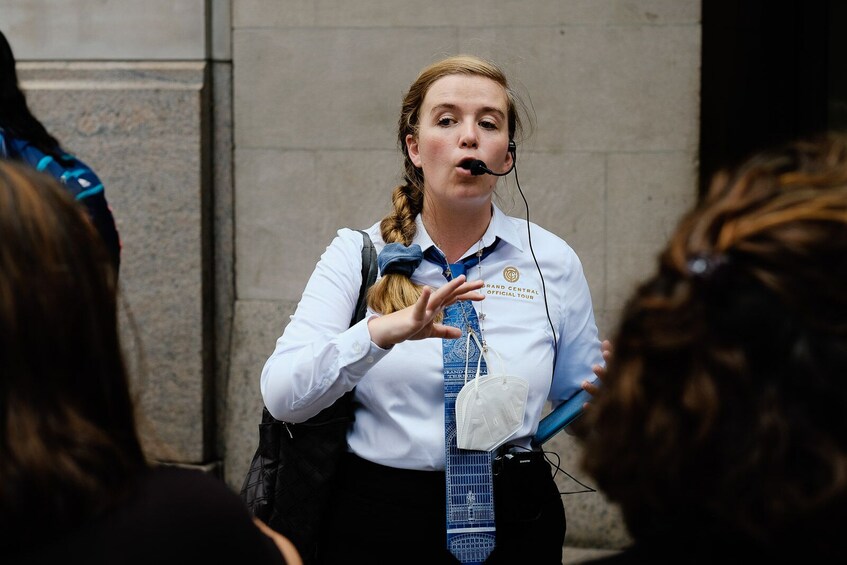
(4, 149)
(78, 178)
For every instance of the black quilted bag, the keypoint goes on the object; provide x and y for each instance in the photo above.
(291, 474)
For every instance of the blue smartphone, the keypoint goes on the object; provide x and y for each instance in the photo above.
(561, 417)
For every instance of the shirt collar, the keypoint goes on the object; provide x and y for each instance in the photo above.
(500, 226)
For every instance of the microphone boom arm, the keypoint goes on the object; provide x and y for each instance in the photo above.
(477, 167)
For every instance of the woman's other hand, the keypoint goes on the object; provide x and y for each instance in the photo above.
(599, 370)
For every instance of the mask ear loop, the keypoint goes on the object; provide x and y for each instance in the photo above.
(468, 354)
(482, 355)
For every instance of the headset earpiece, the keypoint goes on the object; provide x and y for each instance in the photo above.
(512, 147)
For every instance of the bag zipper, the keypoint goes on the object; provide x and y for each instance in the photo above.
(338, 420)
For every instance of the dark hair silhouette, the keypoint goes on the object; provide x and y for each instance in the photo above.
(722, 414)
(15, 116)
(68, 440)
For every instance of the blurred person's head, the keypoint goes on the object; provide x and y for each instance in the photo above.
(724, 406)
(68, 441)
(15, 116)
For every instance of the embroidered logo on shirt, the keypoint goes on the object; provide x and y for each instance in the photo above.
(511, 274)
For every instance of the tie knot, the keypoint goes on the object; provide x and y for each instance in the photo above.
(452, 270)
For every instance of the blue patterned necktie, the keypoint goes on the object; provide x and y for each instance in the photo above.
(470, 489)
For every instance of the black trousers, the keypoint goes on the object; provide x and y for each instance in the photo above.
(386, 515)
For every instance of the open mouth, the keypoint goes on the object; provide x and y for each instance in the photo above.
(467, 163)
(475, 166)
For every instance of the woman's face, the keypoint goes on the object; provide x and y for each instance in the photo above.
(462, 117)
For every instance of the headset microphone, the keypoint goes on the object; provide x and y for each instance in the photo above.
(477, 167)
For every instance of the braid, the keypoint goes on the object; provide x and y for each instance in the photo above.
(399, 226)
(394, 292)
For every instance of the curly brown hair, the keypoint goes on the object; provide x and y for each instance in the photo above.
(723, 407)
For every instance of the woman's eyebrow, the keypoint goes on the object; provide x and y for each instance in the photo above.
(453, 107)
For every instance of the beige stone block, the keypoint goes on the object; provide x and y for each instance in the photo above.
(469, 14)
(592, 520)
(327, 88)
(648, 192)
(106, 29)
(578, 555)
(256, 327)
(291, 204)
(566, 195)
(602, 88)
(224, 235)
(140, 128)
(220, 13)
(607, 322)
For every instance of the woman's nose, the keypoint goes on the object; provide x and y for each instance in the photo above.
(469, 136)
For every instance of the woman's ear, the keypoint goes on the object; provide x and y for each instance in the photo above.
(510, 154)
(412, 149)
(510, 157)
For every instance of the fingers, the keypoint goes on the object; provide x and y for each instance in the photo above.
(474, 296)
(446, 332)
(456, 290)
(458, 286)
(606, 352)
(419, 308)
(416, 321)
(606, 349)
(590, 387)
(600, 371)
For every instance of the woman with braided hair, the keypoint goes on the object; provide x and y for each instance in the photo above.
(444, 247)
(720, 427)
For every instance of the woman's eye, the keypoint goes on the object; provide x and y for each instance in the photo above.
(444, 121)
(485, 124)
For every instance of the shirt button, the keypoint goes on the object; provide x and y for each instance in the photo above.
(369, 359)
(357, 347)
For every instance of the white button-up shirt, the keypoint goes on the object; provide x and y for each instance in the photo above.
(400, 414)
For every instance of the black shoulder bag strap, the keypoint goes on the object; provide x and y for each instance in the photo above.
(369, 272)
(290, 475)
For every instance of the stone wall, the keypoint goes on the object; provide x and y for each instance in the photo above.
(614, 85)
(142, 92)
(234, 138)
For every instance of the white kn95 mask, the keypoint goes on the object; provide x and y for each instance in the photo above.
(490, 408)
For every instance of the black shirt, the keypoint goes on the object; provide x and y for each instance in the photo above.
(174, 516)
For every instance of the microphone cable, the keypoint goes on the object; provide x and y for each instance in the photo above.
(540, 274)
(478, 167)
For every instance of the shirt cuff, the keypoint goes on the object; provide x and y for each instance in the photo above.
(358, 352)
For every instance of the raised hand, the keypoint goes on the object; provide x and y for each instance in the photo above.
(418, 320)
